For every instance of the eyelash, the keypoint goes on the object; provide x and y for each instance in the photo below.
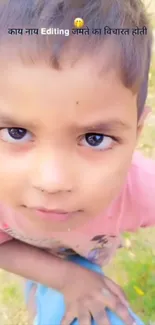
(14, 141)
(83, 137)
(103, 137)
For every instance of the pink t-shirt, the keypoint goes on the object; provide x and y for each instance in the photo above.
(99, 239)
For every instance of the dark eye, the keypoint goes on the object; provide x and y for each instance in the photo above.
(94, 139)
(97, 141)
(15, 135)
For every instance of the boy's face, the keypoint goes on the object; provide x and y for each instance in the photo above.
(50, 156)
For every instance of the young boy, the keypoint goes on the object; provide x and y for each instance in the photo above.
(71, 112)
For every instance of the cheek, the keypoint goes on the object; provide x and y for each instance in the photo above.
(104, 183)
(13, 175)
(12, 166)
(14, 161)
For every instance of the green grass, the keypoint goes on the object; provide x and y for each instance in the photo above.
(134, 266)
(134, 269)
(12, 305)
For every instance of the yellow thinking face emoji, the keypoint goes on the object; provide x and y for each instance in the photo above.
(78, 22)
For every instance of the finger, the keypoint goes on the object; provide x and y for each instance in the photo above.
(68, 318)
(84, 318)
(114, 304)
(117, 290)
(99, 314)
(124, 314)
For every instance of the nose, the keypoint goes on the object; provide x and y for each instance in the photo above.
(51, 173)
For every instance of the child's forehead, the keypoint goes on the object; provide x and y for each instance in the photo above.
(79, 77)
(72, 59)
(38, 91)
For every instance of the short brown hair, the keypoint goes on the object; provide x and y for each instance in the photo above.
(135, 51)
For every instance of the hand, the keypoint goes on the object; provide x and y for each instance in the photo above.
(88, 293)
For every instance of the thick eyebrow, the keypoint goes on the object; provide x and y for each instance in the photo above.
(9, 121)
(98, 126)
(106, 126)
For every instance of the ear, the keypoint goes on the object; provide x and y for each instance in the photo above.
(142, 120)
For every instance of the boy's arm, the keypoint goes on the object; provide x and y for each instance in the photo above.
(73, 281)
(34, 264)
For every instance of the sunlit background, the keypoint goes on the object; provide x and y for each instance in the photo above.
(134, 266)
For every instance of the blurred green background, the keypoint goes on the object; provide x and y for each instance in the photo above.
(134, 266)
